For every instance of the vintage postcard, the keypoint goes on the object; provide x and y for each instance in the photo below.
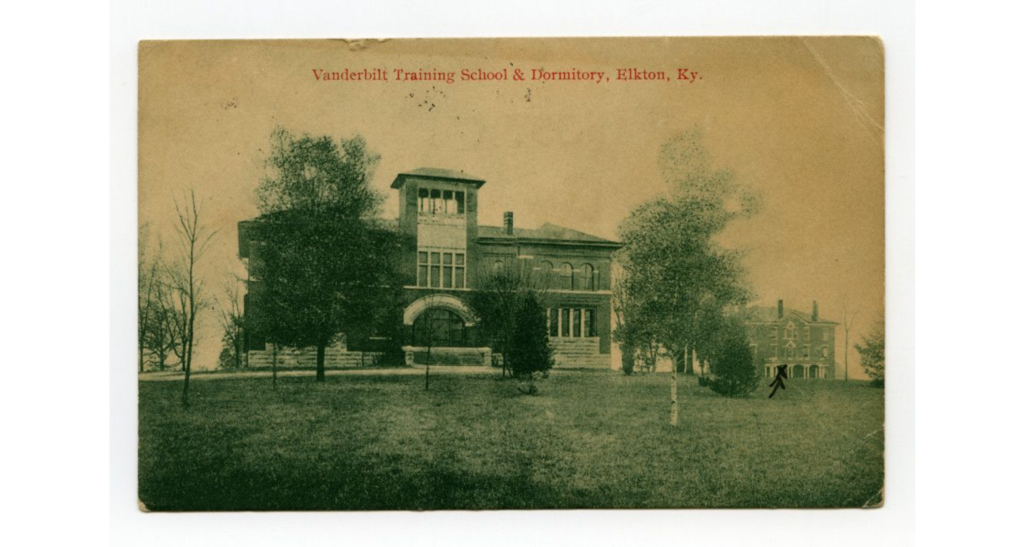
(450, 274)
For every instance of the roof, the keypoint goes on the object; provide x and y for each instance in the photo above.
(437, 173)
(770, 314)
(548, 233)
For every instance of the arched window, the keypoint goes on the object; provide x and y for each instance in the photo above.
(566, 275)
(586, 278)
(544, 272)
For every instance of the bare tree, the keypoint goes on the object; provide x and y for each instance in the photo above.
(149, 268)
(849, 317)
(161, 338)
(193, 240)
(231, 323)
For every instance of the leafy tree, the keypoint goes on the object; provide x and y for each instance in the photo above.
(674, 268)
(503, 303)
(322, 258)
(733, 372)
(872, 354)
(632, 332)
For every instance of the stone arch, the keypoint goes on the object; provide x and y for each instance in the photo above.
(798, 371)
(439, 300)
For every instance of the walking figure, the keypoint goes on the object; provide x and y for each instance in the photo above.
(779, 380)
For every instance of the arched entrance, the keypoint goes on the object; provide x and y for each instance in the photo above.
(814, 371)
(798, 371)
(439, 321)
(439, 327)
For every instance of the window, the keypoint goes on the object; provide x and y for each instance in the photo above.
(498, 268)
(571, 323)
(586, 278)
(460, 270)
(790, 333)
(421, 269)
(449, 202)
(448, 270)
(824, 335)
(441, 269)
(566, 275)
(824, 352)
(441, 202)
(435, 202)
(424, 201)
(543, 272)
(435, 269)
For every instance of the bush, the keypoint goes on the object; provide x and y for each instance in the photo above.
(529, 352)
(733, 372)
(872, 354)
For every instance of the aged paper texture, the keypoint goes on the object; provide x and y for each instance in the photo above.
(511, 274)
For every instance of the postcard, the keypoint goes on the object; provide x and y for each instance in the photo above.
(549, 273)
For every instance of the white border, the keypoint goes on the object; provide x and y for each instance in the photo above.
(892, 525)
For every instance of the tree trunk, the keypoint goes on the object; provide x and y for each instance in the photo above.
(321, 375)
(273, 364)
(140, 358)
(674, 420)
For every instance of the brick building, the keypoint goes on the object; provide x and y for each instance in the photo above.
(450, 255)
(781, 336)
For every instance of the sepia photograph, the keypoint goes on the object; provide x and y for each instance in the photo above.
(511, 273)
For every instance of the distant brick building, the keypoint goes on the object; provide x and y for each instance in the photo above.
(805, 342)
(450, 255)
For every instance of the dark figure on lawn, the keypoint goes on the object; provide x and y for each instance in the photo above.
(779, 380)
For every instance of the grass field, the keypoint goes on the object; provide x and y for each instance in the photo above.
(594, 440)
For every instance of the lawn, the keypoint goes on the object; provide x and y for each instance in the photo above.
(588, 440)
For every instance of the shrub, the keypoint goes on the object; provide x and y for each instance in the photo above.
(529, 352)
(733, 372)
(872, 354)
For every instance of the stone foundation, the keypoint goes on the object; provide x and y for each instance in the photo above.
(580, 353)
(335, 356)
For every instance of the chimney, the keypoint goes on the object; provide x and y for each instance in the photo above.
(780, 308)
(814, 312)
(508, 222)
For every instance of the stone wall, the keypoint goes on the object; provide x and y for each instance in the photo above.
(335, 356)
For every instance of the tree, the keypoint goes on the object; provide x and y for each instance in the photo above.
(632, 332)
(149, 278)
(733, 372)
(529, 351)
(674, 267)
(161, 338)
(513, 318)
(323, 258)
(231, 324)
(872, 354)
(848, 319)
(193, 240)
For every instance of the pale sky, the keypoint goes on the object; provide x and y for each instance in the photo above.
(800, 120)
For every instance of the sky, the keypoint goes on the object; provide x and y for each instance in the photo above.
(800, 120)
